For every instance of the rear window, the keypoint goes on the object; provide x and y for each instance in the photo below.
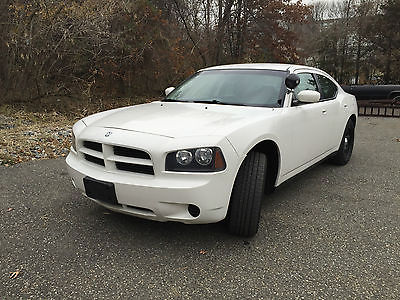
(328, 88)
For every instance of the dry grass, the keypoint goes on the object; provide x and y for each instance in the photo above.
(44, 131)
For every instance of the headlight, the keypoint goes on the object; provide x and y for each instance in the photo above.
(73, 142)
(184, 157)
(203, 156)
(204, 159)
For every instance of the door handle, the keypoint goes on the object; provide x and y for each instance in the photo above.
(324, 111)
(345, 106)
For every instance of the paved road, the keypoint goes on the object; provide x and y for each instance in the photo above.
(333, 232)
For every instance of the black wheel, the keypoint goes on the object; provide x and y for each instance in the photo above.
(342, 157)
(248, 191)
(396, 100)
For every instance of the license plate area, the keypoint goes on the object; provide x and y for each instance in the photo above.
(100, 190)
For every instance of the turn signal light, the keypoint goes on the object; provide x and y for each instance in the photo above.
(219, 162)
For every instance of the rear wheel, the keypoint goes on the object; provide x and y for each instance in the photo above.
(396, 100)
(247, 194)
(346, 146)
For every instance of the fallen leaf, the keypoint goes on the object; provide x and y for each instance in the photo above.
(15, 274)
(10, 209)
(203, 252)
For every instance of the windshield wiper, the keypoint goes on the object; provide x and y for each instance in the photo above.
(172, 100)
(213, 101)
(216, 101)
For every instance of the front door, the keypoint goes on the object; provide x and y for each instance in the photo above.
(308, 123)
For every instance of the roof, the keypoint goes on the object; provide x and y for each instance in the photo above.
(260, 66)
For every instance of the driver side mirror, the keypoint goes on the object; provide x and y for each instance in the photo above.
(169, 90)
(308, 96)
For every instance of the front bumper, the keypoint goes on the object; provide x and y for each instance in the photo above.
(164, 196)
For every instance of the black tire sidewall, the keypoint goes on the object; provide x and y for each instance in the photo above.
(343, 156)
(247, 194)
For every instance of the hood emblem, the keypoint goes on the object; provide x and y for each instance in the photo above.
(108, 134)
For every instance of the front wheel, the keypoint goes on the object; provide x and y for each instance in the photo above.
(343, 155)
(247, 194)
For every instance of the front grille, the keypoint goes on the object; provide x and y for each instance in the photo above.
(93, 146)
(117, 157)
(128, 152)
(95, 160)
(135, 168)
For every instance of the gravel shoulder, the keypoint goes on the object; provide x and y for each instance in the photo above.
(33, 136)
(333, 232)
(28, 132)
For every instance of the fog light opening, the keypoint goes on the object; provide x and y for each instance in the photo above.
(193, 210)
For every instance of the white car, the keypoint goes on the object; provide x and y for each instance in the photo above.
(215, 145)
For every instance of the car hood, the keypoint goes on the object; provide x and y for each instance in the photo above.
(180, 119)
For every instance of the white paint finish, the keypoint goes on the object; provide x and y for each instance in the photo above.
(262, 66)
(304, 135)
(183, 119)
(165, 190)
(169, 90)
(309, 96)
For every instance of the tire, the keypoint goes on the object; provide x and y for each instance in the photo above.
(247, 194)
(343, 155)
(396, 100)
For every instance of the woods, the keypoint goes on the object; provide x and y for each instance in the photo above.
(357, 41)
(112, 48)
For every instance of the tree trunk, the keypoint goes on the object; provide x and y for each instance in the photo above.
(239, 28)
(189, 33)
(222, 21)
(358, 57)
(344, 48)
(387, 77)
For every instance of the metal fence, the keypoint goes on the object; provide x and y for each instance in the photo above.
(384, 108)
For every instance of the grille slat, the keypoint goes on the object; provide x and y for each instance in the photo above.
(93, 146)
(134, 168)
(130, 160)
(128, 152)
(91, 152)
(94, 160)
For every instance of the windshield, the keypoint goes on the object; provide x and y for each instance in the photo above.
(236, 87)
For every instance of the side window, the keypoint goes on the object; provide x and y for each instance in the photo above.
(307, 82)
(328, 88)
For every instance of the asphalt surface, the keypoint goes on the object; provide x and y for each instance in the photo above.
(332, 232)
